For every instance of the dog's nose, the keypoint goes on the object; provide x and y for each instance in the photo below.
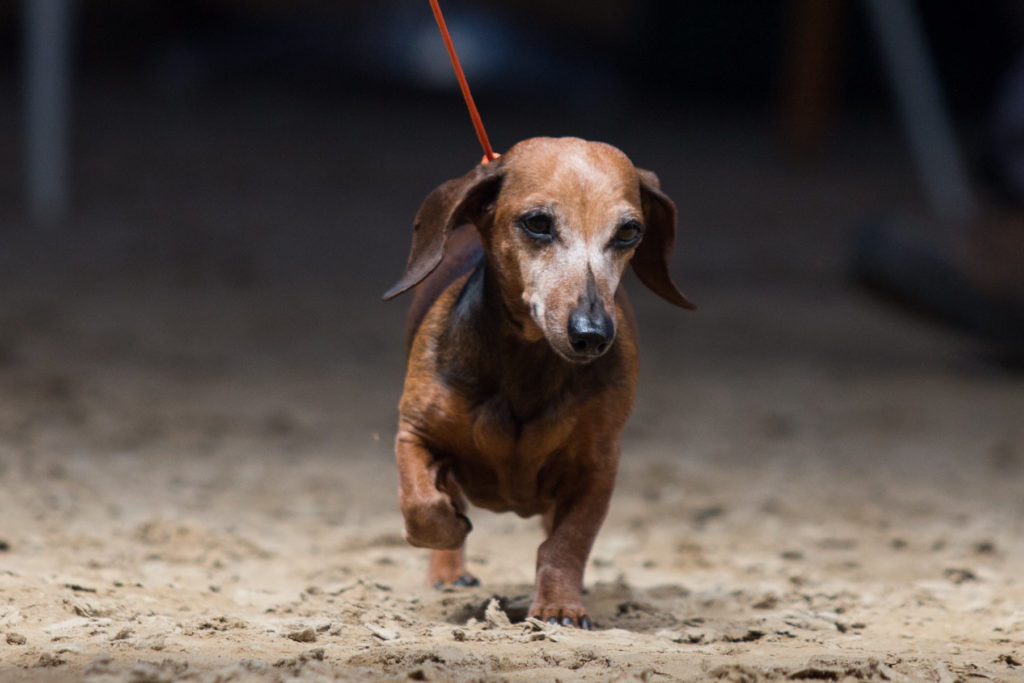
(590, 331)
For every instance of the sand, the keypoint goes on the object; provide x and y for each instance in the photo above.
(198, 485)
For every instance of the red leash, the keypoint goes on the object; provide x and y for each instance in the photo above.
(478, 124)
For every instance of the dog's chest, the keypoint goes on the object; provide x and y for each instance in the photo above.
(503, 463)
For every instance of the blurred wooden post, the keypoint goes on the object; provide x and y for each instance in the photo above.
(809, 72)
(47, 34)
(926, 121)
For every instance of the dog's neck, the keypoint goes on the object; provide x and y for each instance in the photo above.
(489, 350)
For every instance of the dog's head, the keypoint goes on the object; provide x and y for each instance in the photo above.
(560, 219)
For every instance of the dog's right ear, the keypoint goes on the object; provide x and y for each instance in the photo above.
(451, 204)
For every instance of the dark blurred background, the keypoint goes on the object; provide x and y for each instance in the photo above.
(257, 145)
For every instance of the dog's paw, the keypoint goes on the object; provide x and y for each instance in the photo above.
(465, 580)
(564, 614)
(435, 523)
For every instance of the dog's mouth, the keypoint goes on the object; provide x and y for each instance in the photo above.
(580, 356)
(582, 359)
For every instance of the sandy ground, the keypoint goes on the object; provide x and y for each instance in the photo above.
(195, 460)
(199, 488)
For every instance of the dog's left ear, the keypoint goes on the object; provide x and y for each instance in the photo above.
(450, 205)
(650, 262)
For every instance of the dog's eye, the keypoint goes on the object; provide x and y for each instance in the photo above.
(628, 234)
(537, 226)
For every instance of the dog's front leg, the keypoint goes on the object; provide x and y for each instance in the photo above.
(433, 507)
(572, 527)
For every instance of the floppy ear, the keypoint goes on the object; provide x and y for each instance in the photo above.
(451, 204)
(650, 262)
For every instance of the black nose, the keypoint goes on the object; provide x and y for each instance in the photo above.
(590, 330)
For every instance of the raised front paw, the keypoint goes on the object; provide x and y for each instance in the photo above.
(433, 522)
(561, 613)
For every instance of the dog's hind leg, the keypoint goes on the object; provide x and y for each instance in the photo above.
(448, 568)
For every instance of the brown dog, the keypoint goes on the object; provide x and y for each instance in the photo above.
(515, 393)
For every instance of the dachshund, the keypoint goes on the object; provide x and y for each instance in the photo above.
(522, 355)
